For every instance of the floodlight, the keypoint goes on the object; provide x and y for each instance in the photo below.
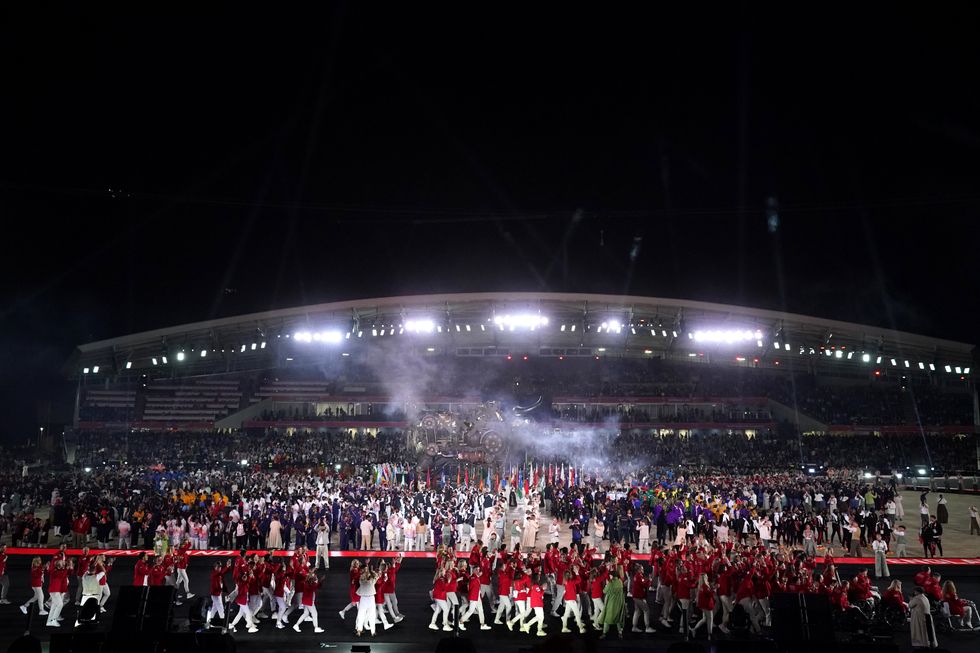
(647, 351)
(254, 346)
(758, 343)
(180, 355)
(906, 364)
(204, 353)
(262, 346)
(850, 355)
(878, 361)
(894, 363)
(727, 336)
(85, 370)
(932, 367)
(164, 359)
(775, 345)
(95, 370)
(812, 470)
(244, 461)
(922, 365)
(243, 349)
(562, 327)
(430, 349)
(948, 369)
(865, 358)
(664, 333)
(966, 370)
(787, 346)
(959, 370)
(523, 321)
(838, 354)
(129, 364)
(154, 360)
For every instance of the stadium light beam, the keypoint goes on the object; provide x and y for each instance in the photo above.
(520, 321)
(421, 325)
(726, 336)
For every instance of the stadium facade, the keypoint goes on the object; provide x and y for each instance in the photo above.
(288, 343)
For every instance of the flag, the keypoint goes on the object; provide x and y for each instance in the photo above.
(526, 489)
(488, 477)
(467, 480)
(457, 475)
(496, 478)
(443, 477)
(428, 479)
(571, 476)
(551, 474)
(520, 482)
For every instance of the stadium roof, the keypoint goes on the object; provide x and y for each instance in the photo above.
(493, 323)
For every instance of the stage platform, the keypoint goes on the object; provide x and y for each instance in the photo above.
(413, 634)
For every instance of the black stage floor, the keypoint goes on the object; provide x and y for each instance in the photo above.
(413, 634)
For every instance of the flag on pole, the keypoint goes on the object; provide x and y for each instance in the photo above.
(571, 476)
(520, 482)
(428, 480)
(467, 479)
(457, 475)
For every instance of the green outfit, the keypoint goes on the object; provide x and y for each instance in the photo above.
(614, 609)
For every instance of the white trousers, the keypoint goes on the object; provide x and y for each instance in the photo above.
(322, 553)
(37, 598)
(217, 608)
(391, 603)
(538, 619)
(477, 607)
(244, 611)
(572, 608)
(503, 608)
(597, 606)
(442, 606)
(309, 614)
(521, 612)
(57, 603)
(365, 614)
(182, 578)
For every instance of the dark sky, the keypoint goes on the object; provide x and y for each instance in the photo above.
(303, 158)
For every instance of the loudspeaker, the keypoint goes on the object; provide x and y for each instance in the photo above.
(798, 618)
(129, 609)
(197, 613)
(159, 610)
(77, 642)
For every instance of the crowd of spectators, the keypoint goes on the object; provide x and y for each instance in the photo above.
(864, 403)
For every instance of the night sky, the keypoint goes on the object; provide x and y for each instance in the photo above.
(266, 160)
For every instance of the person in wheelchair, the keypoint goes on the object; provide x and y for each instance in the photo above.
(894, 608)
(960, 609)
(88, 607)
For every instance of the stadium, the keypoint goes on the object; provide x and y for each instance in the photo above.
(411, 328)
(642, 366)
